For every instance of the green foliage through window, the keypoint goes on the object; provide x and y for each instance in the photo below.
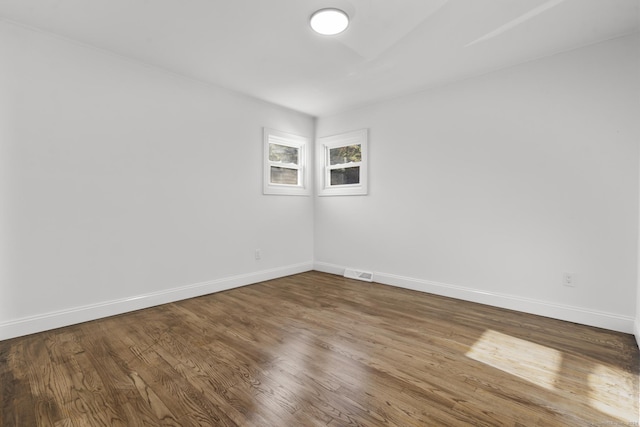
(283, 154)
(346, 154)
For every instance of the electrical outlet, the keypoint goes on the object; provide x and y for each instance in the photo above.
(568, 279)
(258, 254)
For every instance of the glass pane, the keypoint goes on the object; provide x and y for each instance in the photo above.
(283, 154)
(284, 176)
(348, 154)
(345, 176)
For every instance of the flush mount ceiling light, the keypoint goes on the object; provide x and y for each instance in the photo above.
(329, 22)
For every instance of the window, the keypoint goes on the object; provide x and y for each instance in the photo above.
(285, 170)
(344, 169)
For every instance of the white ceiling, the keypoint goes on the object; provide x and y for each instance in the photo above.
(266, 49)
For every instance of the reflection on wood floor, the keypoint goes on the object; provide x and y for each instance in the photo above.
(320, 350)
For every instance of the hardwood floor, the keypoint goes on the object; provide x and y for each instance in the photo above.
(320, 350)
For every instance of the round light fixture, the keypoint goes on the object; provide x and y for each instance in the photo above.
(329, 22)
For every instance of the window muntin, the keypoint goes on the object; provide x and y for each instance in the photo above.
(285, 169)
(343, 166)
(284, 165)
(344, 169)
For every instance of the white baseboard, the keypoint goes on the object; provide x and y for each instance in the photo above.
(636, 330)
(526, 305)
(329, 268)
(57, 319)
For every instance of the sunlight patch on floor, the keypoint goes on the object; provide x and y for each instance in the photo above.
(524, 359)
(609, 388)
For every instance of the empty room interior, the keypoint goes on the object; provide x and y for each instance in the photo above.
(223, 213)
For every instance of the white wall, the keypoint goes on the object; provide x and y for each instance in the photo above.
(491, 188)
(115, 191)
(120, 180)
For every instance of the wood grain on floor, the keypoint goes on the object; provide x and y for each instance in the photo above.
(319, 350)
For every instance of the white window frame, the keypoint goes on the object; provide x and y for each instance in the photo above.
(303, 188)
(327, 143)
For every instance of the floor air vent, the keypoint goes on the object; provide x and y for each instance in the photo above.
(366, 276)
